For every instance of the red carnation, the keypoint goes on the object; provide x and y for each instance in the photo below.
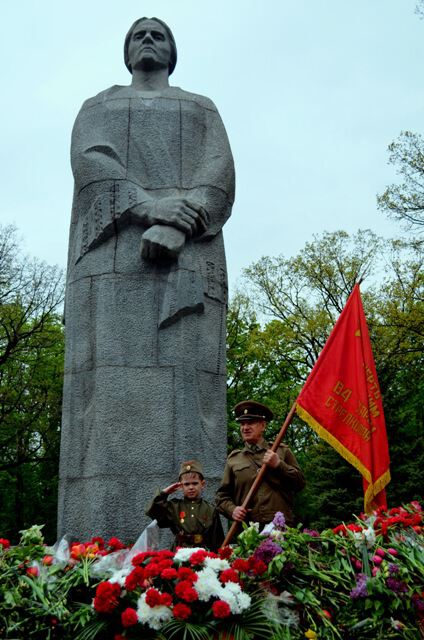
(152, 570)
(169, 574)
(129, 617)
(185, 573)
(107, 589)
(5, 543)
(225, 552)
(340, 529)
(134, 579)
(153, 597)
(259, 567)
(241, 565)
(181, 611)
(165, 564)
(185, 591)
(115, 544)
(221, 609)
(198, 557)
(229, 575)
(106, 598)
(141, 557)
(190, 595)
(166, 599)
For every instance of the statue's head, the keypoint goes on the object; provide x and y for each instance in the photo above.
(163, 28)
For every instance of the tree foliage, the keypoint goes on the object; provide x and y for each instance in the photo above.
(399, 352)
(306, 293)
(31, 366)
(405, 201)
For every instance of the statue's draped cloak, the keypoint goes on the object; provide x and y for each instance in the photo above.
(145, 369)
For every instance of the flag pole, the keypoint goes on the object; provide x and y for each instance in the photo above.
(259, 477)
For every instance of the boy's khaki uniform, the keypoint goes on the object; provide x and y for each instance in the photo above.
(195, 523)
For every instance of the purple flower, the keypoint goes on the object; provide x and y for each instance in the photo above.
(279, 520)
(360, 590)
(398, 586)
(311, 532)
(393, 568)
(267, 550)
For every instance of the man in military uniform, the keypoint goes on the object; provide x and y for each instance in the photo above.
(193, 521)
(282, 479)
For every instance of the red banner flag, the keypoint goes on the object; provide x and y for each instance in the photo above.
(341, 401)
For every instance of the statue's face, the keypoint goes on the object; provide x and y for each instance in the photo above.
(149, 47)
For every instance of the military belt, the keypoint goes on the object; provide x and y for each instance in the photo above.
(188, 538)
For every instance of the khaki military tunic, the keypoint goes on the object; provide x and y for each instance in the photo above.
(195, 523)
(276, 493)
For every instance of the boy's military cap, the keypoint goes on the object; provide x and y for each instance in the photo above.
(191, 466)
(252, 410)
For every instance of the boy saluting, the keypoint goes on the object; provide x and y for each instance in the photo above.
(193, 521)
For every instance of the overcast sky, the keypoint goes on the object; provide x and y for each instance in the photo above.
(311, 93)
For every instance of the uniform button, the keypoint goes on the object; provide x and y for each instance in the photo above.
(192, 515)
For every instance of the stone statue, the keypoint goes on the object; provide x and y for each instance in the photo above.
(145, 376)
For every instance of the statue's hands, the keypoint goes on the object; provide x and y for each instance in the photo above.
(172, 488)
(161, 243)
(170, 220)
(184, 214)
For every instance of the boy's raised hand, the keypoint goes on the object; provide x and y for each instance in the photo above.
(173, 487)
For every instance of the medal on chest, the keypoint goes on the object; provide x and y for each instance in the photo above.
(182, 516)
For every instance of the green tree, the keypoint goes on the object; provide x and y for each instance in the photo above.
(398, 334)
(260, 369)
(31, 367)
(405, 201)
(307, 293)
